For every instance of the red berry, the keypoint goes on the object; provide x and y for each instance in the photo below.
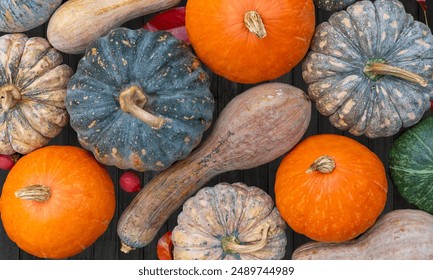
(130, 182)
(431, 105)
(6, 162)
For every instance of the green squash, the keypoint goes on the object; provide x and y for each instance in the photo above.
(370, 68)
(23, 15)
(139, 100)
(411, 164)
(333, 5)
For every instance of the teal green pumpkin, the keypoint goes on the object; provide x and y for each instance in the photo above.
(139, 100)
(411, 164)
(23, 15)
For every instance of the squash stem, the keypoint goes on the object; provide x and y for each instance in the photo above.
(132, 100)
(231, 244)
(125, 248)
(9, 96)
(253, 21)
(324, 164)
(37, 193)
(377, 68)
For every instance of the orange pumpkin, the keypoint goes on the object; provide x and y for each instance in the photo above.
(330, 188)
(56, 201)
(250, 41)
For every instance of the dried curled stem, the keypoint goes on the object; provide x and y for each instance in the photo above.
(132, 100)
(37, 193)
(253, 21)
(376, 69)
(324, 164)
(232, 245)
(9, 96)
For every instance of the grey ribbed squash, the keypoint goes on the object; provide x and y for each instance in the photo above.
(229, 221)
(23, 15)
(370, 68)
(139, 99)
(32, 93)
(333, 5)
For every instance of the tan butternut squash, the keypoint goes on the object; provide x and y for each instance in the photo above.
(256, 127)
(398, 235)
(77, 23)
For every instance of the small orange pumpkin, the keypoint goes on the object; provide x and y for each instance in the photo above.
(56, 201)
(330, 188)
(249, 41)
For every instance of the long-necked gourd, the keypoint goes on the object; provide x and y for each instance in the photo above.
(255, 128)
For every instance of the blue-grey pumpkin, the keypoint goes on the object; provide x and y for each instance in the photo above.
(370, 68)
(333, 5)
(139, 100)
(23, 15)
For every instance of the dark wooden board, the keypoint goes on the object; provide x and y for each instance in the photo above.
(107, 246)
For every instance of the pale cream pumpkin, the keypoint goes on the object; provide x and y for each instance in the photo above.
(229, 221)
(32, 93)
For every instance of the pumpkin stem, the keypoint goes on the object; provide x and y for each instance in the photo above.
(9, 96)
(37, 193)
(132, 100)
(125, 248)
(375, 69)
(231, 244)
(253, 21)
(324, 164)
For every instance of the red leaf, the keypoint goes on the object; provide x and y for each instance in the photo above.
(164, 247)
(168, 19)
(431, 105)
(423, 4)
(172, 20)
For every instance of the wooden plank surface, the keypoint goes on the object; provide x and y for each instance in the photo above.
(107, 246)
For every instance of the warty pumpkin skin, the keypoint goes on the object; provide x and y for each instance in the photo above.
(249, 41)
(404, 234)
(229, 222)
(139, 100)
(32, 92)
(330, 188)
(370, 68)
(411, 164)
(333, 5)
(56, 201)
(23, 15)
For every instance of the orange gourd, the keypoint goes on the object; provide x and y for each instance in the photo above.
(250, 41)
(56, 201)
(330, 188)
